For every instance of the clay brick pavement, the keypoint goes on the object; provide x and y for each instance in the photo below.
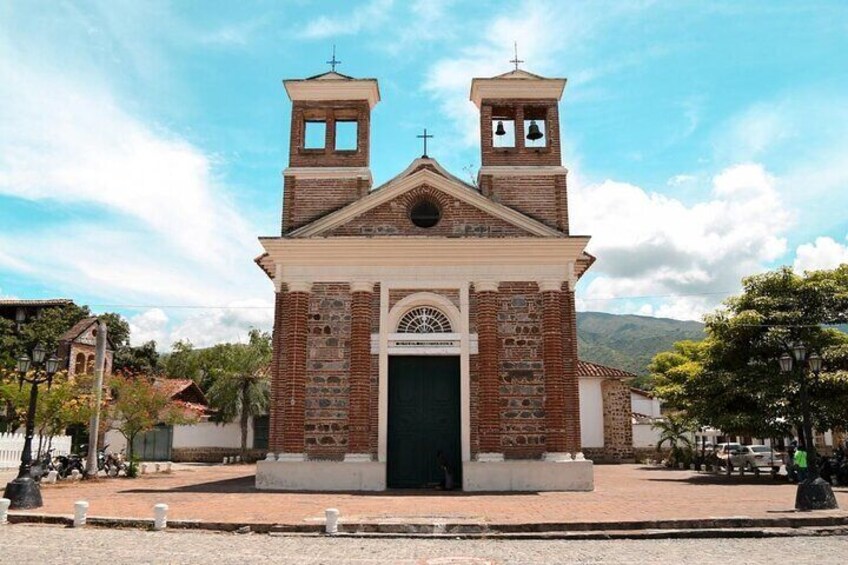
(622, 493)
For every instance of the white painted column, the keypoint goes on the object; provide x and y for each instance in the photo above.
(465, 373)
(383, 387)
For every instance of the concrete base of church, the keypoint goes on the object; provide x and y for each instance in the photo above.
(528, 476)
(321, 475)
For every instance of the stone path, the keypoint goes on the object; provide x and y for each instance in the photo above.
(622, 493)
(50, 544)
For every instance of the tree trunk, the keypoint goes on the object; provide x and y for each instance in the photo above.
(243, 419)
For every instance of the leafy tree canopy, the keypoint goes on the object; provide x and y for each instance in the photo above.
(732, 379)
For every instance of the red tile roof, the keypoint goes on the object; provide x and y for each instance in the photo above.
(78, 329)
(587, 369)
(39, 302)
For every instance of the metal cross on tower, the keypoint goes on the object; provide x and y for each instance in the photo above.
(516, 60)
(333, 62)
(425, 137)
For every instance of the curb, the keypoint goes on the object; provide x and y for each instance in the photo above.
(658, 529)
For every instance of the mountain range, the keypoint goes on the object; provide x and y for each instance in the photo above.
(629, 342)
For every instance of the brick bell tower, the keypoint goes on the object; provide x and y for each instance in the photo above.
(329, 153)
(520, 144)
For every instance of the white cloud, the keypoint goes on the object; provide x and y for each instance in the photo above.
(651, 245)
(825, 253)
(369, 16)
(210, 326)
(151, 222)
(150, 325)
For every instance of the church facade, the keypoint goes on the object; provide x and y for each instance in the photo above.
(425, 330)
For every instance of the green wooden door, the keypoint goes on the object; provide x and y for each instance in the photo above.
(154, 445)
(424, 424)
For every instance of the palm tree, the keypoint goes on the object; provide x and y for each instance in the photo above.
(240, 381)
(675, 430)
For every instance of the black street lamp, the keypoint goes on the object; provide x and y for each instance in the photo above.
(23, 491)
(814, 493)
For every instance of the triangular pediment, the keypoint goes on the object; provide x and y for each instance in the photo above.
(465, 211)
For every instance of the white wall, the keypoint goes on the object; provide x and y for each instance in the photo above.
(641, 404)
(202, 434)
(644, 435)
(208, 434)
(591, 412)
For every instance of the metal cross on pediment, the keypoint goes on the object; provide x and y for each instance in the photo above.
(425, 137)
(333, 62)
(516, 60)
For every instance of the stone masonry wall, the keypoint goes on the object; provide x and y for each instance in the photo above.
(618, 428)
(522, 388)
(327, 370)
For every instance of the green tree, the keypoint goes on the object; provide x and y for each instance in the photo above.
(67, 402)
(240, 380)
(137, 406)
(677, 431)
(143, 359)
(732, 380)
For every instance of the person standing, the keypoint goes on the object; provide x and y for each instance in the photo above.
(801, 462)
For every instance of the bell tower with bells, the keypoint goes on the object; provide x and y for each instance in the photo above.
(520, 144)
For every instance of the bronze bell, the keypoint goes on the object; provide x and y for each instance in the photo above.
(500, 129)
(533, 132)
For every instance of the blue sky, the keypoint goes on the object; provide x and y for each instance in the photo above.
(141, 143)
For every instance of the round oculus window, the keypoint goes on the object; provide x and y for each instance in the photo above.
(425, 214)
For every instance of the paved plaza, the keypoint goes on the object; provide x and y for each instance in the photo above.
(218, 493)
(52, 544)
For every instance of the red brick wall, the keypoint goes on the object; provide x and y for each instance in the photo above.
(522, 374)
(459, 219)
(306, 200)
(543, 198)
(275, 412)
(328, 371)
(488, 377)
(293, 373)
(360, 372)
(571, 385)
(330, 111)
(398, 294)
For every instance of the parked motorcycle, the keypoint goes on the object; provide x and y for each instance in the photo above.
(65, 465)
(42, 466)
(115, 463)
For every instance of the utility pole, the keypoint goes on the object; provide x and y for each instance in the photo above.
(94, 425)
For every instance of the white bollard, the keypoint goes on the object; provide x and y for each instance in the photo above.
(52, 477)
(75, 475)
(238, 458)
(143, 468)
(270, 457)
(332, 526)
(225, 461)
(4, 510)
(160, 517)
(167, 467)
(80, 513)
(157, 467)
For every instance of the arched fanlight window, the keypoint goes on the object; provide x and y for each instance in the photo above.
(424, 320)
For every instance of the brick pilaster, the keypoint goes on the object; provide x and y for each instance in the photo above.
(572, 384)
(359, 403)
(275, 411)
(552, 353)
(488, 369)
(294, 369)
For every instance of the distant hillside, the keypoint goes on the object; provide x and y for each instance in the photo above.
(629, 342)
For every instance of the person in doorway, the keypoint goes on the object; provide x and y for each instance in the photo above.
(801, 462)
(447, 483)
